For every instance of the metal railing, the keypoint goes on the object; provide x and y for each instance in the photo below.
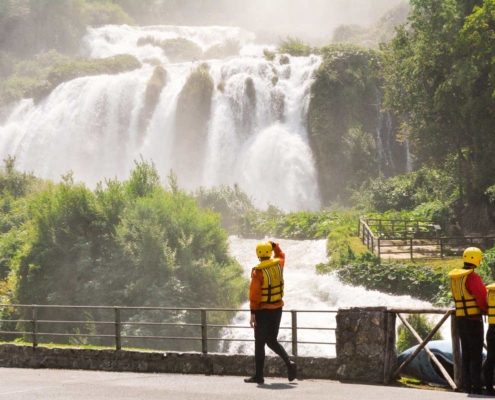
(383, 245)
(117, 335)
(400, 228)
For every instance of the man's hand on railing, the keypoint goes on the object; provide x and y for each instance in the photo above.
(252, 321)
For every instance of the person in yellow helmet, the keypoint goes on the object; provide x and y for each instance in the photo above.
(469, 293)
(265, 298)
(490, 342)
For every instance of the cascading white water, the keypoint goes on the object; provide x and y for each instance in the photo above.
(305, 290)
(257, 135)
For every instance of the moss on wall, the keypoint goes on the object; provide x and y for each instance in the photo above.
(193, 114)
(151, 98)
(38, 80)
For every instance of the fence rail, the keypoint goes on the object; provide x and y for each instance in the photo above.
(401, 228)
(384, 245)
(117, 336)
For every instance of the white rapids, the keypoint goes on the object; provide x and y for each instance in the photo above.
(305, 290)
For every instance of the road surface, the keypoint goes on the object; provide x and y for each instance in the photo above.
(38, 384)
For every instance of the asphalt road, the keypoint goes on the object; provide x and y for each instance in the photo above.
(39, 384)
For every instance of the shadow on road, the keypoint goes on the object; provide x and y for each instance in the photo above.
(278, 386)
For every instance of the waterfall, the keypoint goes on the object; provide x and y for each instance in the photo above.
(256, 135)
(384, 134)
(305, 290)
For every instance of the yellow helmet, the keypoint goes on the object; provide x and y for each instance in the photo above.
(473, 255)
(264, 249)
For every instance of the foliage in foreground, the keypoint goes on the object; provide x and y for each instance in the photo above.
(422, 325)
(133, 243)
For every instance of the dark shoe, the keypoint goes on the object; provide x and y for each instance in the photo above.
(254, 379)
(292, 370)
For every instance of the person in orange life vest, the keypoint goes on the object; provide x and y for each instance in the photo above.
(469, 294)
(265, 297)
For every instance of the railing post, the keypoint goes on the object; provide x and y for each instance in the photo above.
(379, 253)
(118, 342)
(35, 326)
(204, 334)
(372, 244)
(411, 246)
(456, 350)
(294, 332)
(441, 248)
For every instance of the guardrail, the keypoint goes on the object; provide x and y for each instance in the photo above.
(384, 245)
(117, 323)
(401, 228)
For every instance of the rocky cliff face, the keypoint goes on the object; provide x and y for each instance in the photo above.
(351, 136)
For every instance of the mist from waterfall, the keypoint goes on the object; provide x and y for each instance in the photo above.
(257, 140)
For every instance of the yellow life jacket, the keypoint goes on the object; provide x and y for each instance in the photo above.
(272, 289)
(491, 303)
(465, 302)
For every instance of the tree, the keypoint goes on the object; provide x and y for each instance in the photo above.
(437, 78)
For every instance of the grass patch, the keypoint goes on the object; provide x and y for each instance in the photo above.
(78, 346)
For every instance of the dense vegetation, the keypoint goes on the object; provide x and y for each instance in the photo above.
(344, 115)
(439, 76)
(125, 243)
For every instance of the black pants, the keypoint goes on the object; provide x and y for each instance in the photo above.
(490, 357)
(266, 332)
(471, 334)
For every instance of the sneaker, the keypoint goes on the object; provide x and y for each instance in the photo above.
(254, 379)
(292, 371)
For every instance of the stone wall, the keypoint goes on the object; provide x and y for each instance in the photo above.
(13, 356)
(365, 348)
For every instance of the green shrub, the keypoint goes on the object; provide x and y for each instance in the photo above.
(416, 280)
(422, 325)
(230, 203)
(410, 191)
(296, 47)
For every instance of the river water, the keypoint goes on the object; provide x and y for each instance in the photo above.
(305, 290)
